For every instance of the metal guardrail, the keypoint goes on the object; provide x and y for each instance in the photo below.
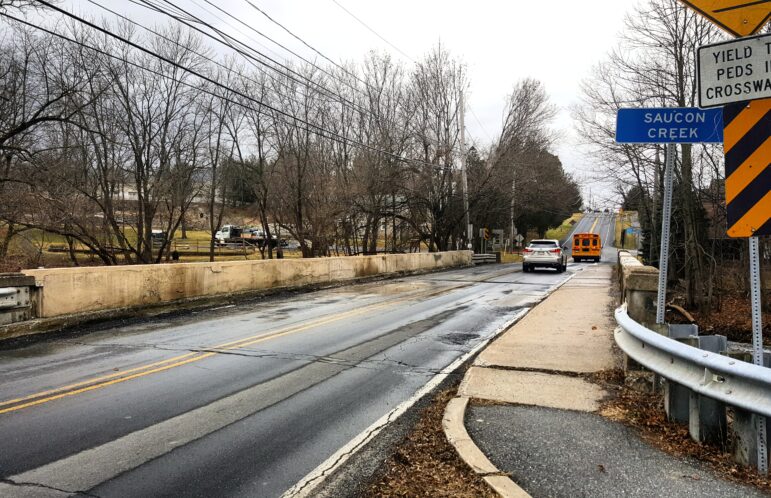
(478, 259)
(8, 297)
(733, 382)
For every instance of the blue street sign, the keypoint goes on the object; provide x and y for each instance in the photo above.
(679, 125)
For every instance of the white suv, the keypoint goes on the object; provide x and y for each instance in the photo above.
(544, 253)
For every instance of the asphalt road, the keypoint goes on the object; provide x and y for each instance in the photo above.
(241, 400)
(603, 224)
(565, 454)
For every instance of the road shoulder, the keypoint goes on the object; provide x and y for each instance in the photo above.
(531, 404)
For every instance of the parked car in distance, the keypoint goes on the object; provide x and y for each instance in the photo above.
(544, 253)
(228, 233)
(158, 237)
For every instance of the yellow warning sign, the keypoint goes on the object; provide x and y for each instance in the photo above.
(747, 147)
(739, 17)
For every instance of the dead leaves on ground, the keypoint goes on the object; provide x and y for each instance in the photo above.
(645, 412)
(426, 465)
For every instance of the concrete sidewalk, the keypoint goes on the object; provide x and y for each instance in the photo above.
(543, 437)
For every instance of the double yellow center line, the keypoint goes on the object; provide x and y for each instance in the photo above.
(12, 405)
(591, 230)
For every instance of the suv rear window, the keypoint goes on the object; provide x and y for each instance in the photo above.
(543, 243)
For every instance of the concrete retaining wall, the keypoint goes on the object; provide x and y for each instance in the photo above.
(639, 287)
(66, 291)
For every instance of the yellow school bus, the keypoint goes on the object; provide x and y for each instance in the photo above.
(586, 246)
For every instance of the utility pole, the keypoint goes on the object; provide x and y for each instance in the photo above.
(513, 228)
(655, 206)
(464, 177)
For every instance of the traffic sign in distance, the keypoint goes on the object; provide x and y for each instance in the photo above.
(738, 17)
(682, 125)
(734, 71)
(748, 168)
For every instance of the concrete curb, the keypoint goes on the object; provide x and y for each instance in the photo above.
(455, 432)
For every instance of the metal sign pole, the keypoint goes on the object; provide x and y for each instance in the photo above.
(665, 224)
(757, 344)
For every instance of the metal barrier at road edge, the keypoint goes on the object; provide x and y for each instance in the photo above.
(733, 382)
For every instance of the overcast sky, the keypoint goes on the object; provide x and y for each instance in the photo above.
(500, 41)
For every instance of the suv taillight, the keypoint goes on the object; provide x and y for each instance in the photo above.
(556, 251)
(527, 250)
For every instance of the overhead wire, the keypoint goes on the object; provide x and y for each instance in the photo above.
(229, 40)
(360, 21)
(310, 127)
(199, 54)
(372, 30)
(481, 126)
(225, 37)
(298, 38)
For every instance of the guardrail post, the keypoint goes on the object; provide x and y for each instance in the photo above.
(677, 398)
(17, 298)
(677, 402)
(745, 424)
(727, 378)
(745, 437)
(708, 422)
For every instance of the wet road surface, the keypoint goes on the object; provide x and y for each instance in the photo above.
(240, 400)
(603, 224)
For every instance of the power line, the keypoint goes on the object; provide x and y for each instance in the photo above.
(342, 68)
(262, 35)
(331, 93)
(372, 30)
(213, 61)
(484, 130)
(317, 130)
(225, 36)
(199, 54)
(290, 73)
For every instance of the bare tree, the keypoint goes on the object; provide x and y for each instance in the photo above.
(654, 66)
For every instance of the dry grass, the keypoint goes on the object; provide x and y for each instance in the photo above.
(564, 230)
(511, 258)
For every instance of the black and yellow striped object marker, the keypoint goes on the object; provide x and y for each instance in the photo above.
(747, 146)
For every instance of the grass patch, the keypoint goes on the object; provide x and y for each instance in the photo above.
(511, 258)
(562, 231)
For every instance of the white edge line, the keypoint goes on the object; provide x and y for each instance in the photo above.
(610, 225)
(317, 476)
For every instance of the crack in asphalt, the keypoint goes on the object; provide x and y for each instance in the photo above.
(333, 465)
(370, 364)
(263, 353)
(13, 483)
(413, 369)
